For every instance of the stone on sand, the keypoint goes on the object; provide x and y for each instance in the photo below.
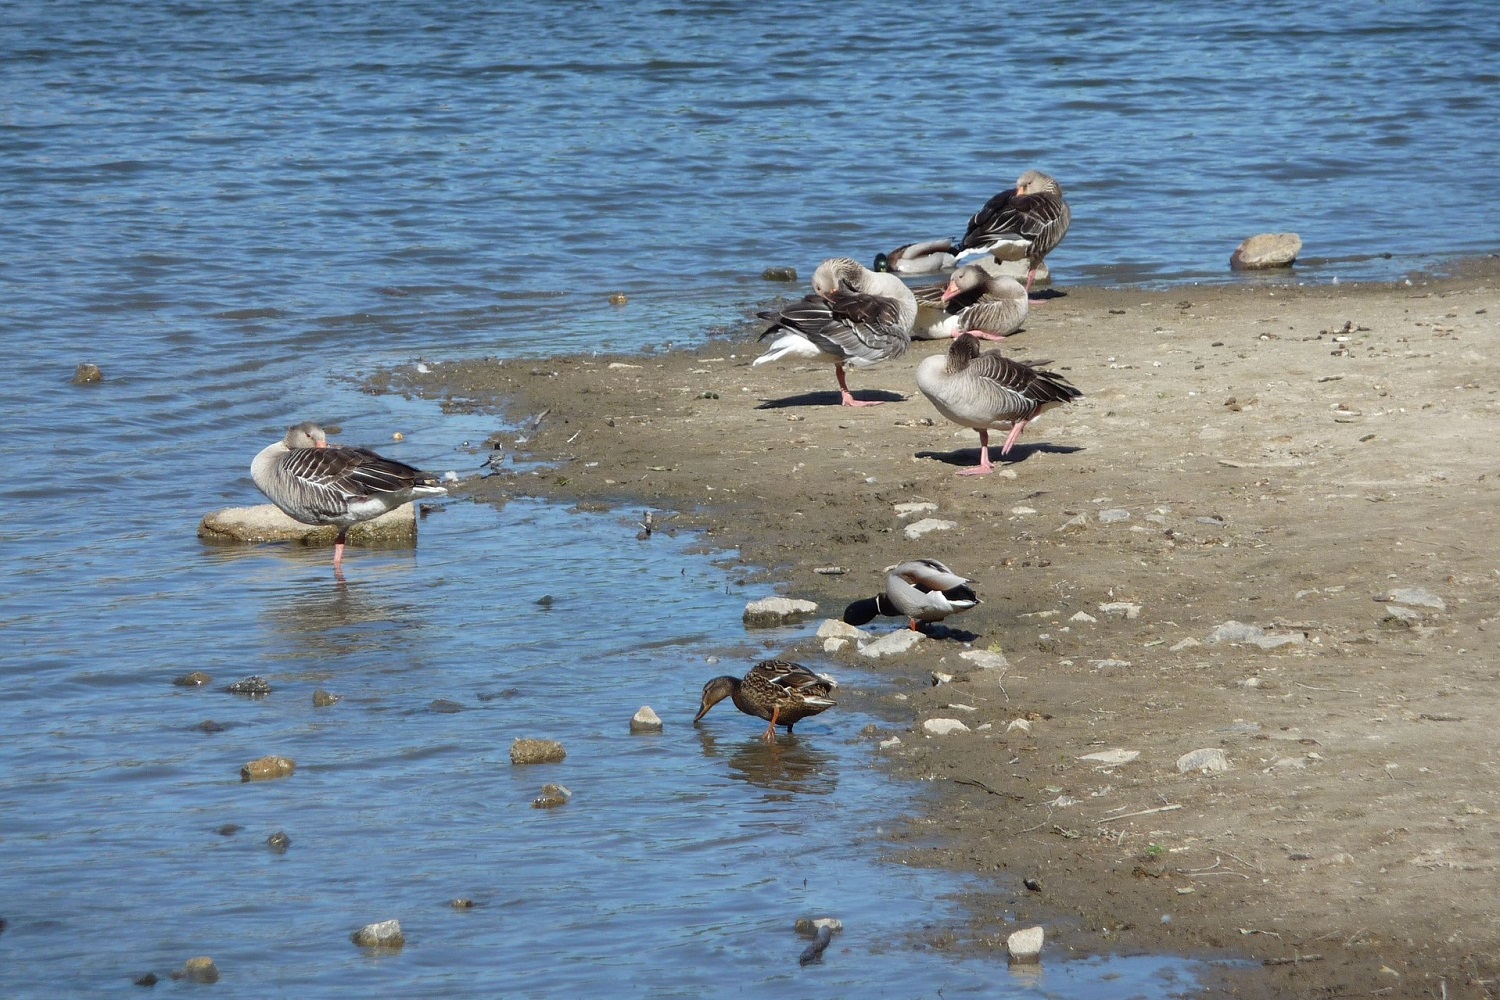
(1266, 250)
(769, 612)
(1417, 597)
(266, 523)
(832, 628)
(1253, 635)
(529, 751)
(917, 529)
(892, 645)
(1210, 760)
(944, 727)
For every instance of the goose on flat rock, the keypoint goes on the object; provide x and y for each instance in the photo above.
(1027, 222)
(925, 257)
(318, 483)
(974, 300)
(985, 390)
(854, 317)
(779, 691)
(921, 590)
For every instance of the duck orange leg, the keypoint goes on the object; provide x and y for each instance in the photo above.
(770, 736)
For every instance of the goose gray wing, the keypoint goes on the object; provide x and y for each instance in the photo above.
(992, 315)
(327, 480)
(1036, 219)
(1028, 382)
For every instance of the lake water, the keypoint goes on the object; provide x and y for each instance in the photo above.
(239, 209)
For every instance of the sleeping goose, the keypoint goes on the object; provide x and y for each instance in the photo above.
(316, 483)
(779, 691)
(926, 257)
(987, 390)
(975, 301)
(854, 317)
(922, 590)
(1027, 222)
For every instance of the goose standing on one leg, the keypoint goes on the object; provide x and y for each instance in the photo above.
(854, 317)
(316, 483)
(922, 590)
(1027, 222)
(988, 390)
(973, 301)
(779, 691)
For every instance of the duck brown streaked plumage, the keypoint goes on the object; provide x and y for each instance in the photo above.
(318, 483)
(922, 590)
(1027, 222)
(985, 390)
(854, 317)
(924, 257)
(974, 300)
(779, 691)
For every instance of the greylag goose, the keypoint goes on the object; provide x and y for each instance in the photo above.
(1027, 222)
(987, 390)
(317, 483)
(854, 317)
(973, 301)
(922, 590)
(926, 257)
(779, 691)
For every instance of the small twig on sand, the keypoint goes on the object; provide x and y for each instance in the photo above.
(1143, 812)
(1294, 960)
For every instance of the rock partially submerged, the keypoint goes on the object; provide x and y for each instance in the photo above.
(552, 796)
(88, 374)
(1025, 946)
(645, 721)
(198, 970)
(1266, 250)
(769, 612)
(266, 523)
(529, 751)
(268, 768)
(385, 934)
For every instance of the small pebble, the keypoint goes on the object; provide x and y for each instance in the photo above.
(149, 980)
(462, 903)
(229, 829)
(618, 299)
(210, 726)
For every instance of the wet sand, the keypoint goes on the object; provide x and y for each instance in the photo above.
(1281, 457)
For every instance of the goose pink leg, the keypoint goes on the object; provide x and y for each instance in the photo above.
(983, 468)
(849, 399)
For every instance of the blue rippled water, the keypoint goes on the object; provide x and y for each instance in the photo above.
(238, 209)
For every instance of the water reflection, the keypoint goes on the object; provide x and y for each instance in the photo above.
(342, 618)
(787, 767)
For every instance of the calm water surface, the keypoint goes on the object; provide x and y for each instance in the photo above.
(238, 209)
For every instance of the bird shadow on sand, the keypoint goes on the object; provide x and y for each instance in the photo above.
(1048, 294)
(831, 399)
(935, 630)
(1018, 453)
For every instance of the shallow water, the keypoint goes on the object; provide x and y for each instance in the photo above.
(239, 209)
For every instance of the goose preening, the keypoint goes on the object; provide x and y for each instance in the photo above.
(1027, 222)
(922, 590)
(926, 257)
(854, 317)
(988, 390)
(779, 691)
(973, 301)
(318, 483)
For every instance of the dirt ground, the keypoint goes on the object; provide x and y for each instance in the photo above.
(1282, 457)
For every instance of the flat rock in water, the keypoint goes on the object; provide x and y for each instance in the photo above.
(1210, 760)
(195, 679)
(1025, 946)
(255, 686)
(268, 768)
(552, 796)
(266, 523)
(529, 751)
(892, 645)
(1417, 597)
(769, 612)
(385, 934)
(1266, 250)
(944, 727)
(645, 721)
(779, 274)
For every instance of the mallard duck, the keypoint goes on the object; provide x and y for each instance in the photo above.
(986, 390)
(1027, 222)
(922, 590)
(854, 317)
(974, 300)
(782, 692)
(317, 483)
(926, 257)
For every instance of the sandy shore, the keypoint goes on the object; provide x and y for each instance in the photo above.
(1282, 457)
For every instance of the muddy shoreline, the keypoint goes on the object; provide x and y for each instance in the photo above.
(1283, 457)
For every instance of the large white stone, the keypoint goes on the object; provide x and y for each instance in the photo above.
(892, 645)
(769, 612)
(944, 727)
(1025, 946)
(1266, 250)
(266, 523)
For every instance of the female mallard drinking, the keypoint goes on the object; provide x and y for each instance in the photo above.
(779, 691)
